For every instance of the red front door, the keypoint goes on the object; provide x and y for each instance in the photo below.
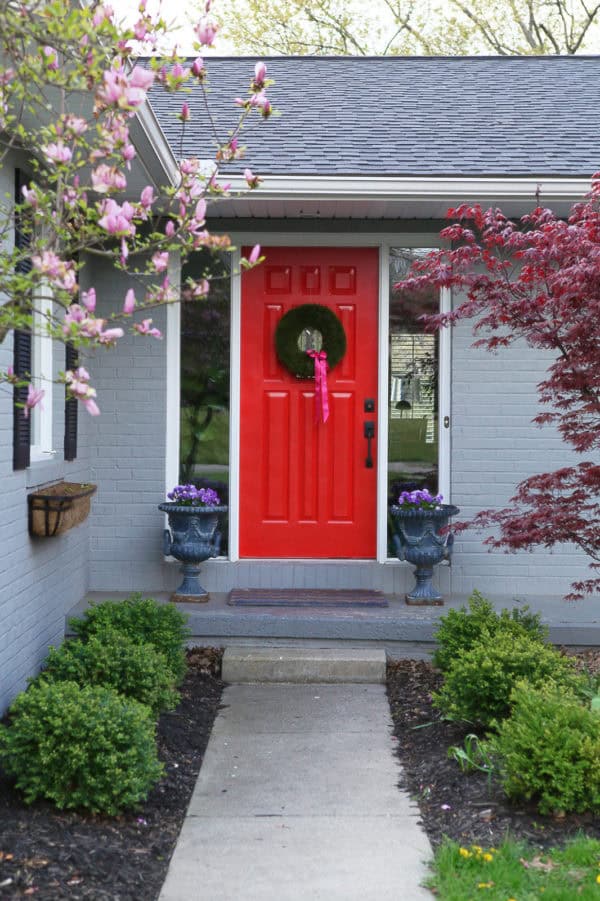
(305, 487)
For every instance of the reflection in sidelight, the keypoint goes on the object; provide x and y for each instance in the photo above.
(413, 384)
(205, 376)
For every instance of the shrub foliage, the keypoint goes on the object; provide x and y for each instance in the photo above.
(143, 621)
(114, 660)
(478, 685)
(80, 747)
(460, 629)
(548, 750)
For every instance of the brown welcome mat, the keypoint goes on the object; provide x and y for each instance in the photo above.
(305, 597)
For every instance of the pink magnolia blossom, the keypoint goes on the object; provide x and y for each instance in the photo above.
(108, 178)
(160, 261)
(170, 228)
(252, 180)
(61, 273)
(74, 125)
(260, 73)
(206, 31)
(110, 335)
(129, 303)
(124, 90)
(51, 58)
(30, 196)
(57, 152)
(88, 299)
(128, 153)
(34, 397)
(77, 384)
(184, 114)
(144, 329)
(115, 219)
(147, 197)
(198, 67)
(102, 13)
(254, 254)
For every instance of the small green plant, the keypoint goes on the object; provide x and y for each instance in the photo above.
(460, 629)
(474, 755)
(548, 750)
(113, 660)
(143, 621)
(516, 872)
(80, 747)
(478, 684)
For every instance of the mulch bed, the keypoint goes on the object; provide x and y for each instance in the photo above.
(462, 806)
(49, 854)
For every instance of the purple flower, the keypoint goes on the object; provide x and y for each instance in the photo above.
(421, 498)
(190, 496)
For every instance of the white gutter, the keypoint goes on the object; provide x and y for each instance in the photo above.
(314, 187)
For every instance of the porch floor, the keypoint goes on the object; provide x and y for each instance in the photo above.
(402, 630)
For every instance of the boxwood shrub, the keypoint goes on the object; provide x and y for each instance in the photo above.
(143, 620)
(80, 747)
(548, 750)
(114, 660)
(478, 684)
(460, 629)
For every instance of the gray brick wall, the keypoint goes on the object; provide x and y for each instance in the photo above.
(128, 442)
(495, 446)
(40, 578)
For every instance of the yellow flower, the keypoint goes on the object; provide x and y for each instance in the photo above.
(464, 852)
(598, 878)
(488, 857)
(484, 884)
(477, 849)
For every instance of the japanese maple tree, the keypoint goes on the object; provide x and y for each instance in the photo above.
(536, 280)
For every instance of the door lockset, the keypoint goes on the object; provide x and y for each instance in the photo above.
(369, 432)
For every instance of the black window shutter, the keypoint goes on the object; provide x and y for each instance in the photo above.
(21, 423)
(71, 408)
(21, 359)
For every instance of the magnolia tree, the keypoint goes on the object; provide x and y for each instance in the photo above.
(537, 281)
(69, 88)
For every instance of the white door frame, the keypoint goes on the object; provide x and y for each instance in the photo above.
(382, 241)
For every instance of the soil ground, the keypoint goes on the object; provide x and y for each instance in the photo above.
(49, 855)
(463, 806)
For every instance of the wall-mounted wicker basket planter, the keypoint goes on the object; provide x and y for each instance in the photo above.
(56, 509)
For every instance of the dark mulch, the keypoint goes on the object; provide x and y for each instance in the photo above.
(49, 854)
(463, 806)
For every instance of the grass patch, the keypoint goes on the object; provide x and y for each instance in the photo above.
(517, 872)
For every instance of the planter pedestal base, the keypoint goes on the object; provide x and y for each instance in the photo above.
(190, 591)
(177, 598)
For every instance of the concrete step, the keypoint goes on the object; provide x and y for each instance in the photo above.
(285, 664)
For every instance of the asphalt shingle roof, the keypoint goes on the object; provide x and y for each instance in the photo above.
(404, 115)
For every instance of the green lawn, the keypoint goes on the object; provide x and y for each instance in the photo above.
(515, 872)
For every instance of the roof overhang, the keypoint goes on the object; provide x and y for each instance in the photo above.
(402, 197)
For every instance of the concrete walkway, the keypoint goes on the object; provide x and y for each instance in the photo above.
(297, 799)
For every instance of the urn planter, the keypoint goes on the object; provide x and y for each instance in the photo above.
(192, 538)
(417, 540)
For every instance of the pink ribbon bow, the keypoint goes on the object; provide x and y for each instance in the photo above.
(321, 396)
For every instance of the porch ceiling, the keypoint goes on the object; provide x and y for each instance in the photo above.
(388, 199)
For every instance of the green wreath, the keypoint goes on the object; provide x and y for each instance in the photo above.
(294, 322)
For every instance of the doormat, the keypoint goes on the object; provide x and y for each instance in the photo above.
(305, 597)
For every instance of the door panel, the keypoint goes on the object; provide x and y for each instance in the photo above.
(304, 488)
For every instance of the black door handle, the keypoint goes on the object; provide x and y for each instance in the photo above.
(369, 435)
